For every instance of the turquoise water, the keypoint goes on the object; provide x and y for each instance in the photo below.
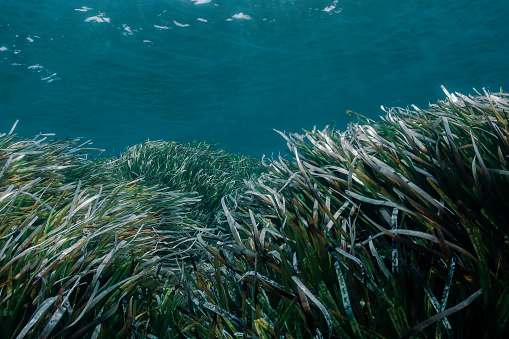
(229, 72)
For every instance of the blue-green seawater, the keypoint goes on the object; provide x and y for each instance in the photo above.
(229, 72)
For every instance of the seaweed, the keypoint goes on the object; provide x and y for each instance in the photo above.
(390, 228)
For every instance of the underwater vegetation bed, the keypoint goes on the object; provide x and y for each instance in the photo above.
(395, 228)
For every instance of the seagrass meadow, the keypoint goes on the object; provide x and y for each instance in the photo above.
(395, 228)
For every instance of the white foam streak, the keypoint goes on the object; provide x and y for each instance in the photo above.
(241, 16)
(200, 2)
(179, 24)
(98, 18)
(83, 9)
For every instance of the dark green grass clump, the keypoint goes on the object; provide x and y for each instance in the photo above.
(389, 229)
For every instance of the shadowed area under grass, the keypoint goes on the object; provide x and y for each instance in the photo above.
(388, 229)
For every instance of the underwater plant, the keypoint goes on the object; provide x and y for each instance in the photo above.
(391, 228)
(196, 167)
(397, 228)
(80, 251)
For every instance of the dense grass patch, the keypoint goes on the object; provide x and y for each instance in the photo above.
(197, 167)
(396, 228)
(388, 229)
(80, 249)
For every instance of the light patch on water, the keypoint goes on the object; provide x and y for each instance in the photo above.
(37, 68)
(202, 20)
(241, 16)
(83, 9)
(31, 39)
(3, 49)
(162, 27)
(46, 75)
(200, 2)
(127, 29)
(180, 25)
(98, 18)
(51, 78)
(330, 8)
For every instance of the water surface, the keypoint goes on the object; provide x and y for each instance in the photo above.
(229, 72)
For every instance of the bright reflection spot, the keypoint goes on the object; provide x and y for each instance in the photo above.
(2, 49)
(37, 68)
(202, 20)
(161, 27)
(241, 16)
(200, 2)
(51, 78)
(46, 75)
(179, 24)
(329, 9)
(98, 18)
(30, 39)
(128, 30)
(83, 9)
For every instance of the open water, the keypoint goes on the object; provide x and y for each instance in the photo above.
(229, 72)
